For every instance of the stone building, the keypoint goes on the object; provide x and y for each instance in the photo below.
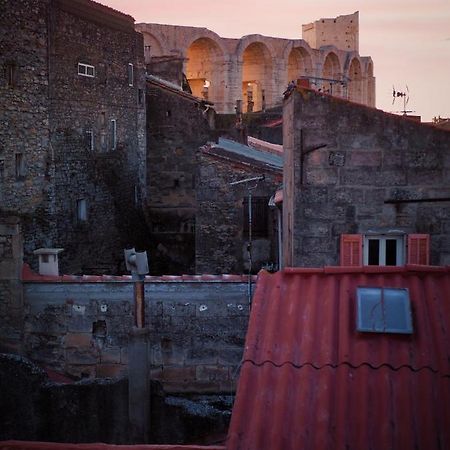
(361, 186)
(256, 69)
(72, 135)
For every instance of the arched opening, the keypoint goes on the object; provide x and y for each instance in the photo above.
(152, 47)
(299, 64)
(204, 70)
(355, 81)
(332, 73)
(256, 78)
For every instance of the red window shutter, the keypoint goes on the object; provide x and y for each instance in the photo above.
(351, 249)
(419, 249)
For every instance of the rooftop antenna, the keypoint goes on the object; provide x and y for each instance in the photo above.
(405, 96)
(250, 188)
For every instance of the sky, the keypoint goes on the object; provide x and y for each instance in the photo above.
(408, 40)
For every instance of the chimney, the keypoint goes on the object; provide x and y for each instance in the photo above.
(48, 260)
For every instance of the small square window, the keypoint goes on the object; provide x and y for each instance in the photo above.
(20, 166)
(384, 310)
(86, 70)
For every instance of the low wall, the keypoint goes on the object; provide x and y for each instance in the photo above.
(80, 326)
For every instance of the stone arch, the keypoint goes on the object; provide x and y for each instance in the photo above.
(257, 77)
(332, 71)
(204, 70)
(152, 46)
(299, 63)
(355, 80)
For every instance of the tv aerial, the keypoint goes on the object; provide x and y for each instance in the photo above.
(405, 96)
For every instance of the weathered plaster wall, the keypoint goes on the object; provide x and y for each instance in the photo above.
(196, 329)
(370, 157)
(260, 64)
(177, 125)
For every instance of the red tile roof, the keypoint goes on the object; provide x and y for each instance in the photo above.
(309, 380)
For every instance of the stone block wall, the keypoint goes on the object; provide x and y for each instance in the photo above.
(26, 189)
(378, 172)
(177, 125)
(48, 162)
(195, 340)
(89, 166)
(221, 242)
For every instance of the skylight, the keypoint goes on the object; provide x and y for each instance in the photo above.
(383, 310)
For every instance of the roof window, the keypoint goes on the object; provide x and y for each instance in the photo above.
(383, 310)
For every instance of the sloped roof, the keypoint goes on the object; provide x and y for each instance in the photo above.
(309, 380)
(246, 154)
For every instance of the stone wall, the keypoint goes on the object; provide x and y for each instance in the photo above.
(49, 165)
(378, 172)
(108, 175)
(196, 329)
(221, 239)
(177, 125)
(11, 302)
(26, 188)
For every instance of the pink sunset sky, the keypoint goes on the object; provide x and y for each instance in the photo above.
(408, 40)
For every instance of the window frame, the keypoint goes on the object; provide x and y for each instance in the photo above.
(382, 238)
(82, 211)
(130, 74)
(19, 166)
(113, 135)
(84, 73)
(90, 140)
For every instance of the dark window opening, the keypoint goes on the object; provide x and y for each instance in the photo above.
(99, 330)
(168, 113)
(130, 74)
(391, 252)
(2, 169)
(260, 217)
(11, 74)
(374, 252)
(20, 166)
(140, 96)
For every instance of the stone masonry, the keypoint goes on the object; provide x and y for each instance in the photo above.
(72, 148)
(378, 172)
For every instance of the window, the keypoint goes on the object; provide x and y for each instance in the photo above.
(81, 210)
(384, 250)
(86, 70)
(113, 134)
(90, 140)
(140, 97)
(130, 74)
(260, 217)
(11, 74)
(383, 310)
(2, 169)
(20, 166)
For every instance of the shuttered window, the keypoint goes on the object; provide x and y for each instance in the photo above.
(351, 253)
(419, 249)
(351, 250)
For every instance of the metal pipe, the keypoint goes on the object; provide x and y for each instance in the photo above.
(139, 304)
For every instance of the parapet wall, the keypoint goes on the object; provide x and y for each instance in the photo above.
(81, 326)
